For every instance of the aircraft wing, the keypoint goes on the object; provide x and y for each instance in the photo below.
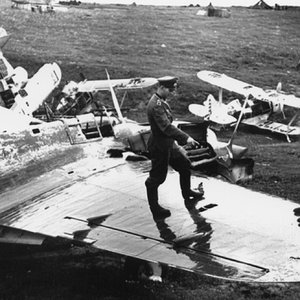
(245, 89)
(262, 122)
(231, 84)
(102, 202)
(122, 84)
(283, 99)
(13, 122)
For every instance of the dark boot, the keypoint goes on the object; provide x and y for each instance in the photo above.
(156, 209)
(187, 193)
(195, 196)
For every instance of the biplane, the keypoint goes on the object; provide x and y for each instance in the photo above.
(80, 95)
(257, 105)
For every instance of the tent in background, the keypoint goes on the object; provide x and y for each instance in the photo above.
(261, 5)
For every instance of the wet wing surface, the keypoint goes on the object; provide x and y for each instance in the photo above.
(233, 233)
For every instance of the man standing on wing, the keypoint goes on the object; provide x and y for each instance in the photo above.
(163, 149)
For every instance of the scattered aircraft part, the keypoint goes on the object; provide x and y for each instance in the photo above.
(37, 89)
(202, 154)
(213, 156)
(229, 163)
(221, 147)
(235, 170)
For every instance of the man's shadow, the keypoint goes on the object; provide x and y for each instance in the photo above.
(196, 246)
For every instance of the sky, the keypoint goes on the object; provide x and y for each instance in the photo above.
(194, 2)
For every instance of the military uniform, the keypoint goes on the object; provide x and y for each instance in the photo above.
(164, 151)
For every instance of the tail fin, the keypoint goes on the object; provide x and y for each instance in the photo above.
(218, 111)
(212, 110)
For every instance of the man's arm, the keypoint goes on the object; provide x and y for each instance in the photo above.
(170, 130)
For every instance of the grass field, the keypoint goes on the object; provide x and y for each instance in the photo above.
(259, 47)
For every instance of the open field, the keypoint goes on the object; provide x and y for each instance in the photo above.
(259, 47)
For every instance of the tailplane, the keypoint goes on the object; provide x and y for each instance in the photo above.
(213, 111)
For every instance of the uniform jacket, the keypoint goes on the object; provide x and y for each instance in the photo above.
(163, 133)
